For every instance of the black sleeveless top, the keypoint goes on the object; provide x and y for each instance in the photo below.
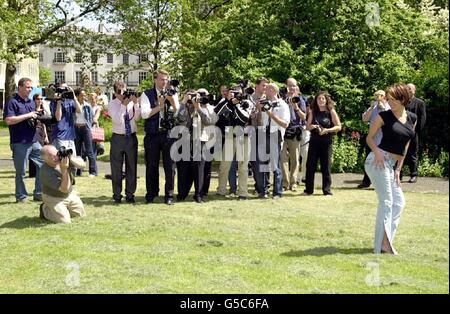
(396, 134)
(322, 118)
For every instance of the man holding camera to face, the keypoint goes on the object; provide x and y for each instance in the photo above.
(18, 113)
(60, 202)
(290, 153)
(237, 112)
(159, 106)
(273, 118)
(64, 106)
(124, 112)
(196, 113)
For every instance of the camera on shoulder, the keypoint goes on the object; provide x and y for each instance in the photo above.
(56, 93)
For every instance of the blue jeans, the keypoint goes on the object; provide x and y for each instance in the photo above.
(391, 200)
(261, 167)
(21, 153)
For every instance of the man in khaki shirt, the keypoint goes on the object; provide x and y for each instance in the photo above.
(60, 200)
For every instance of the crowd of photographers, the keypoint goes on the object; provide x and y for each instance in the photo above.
(252, 129)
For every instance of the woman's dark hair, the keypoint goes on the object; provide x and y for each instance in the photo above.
(399, 92)
(330, 102)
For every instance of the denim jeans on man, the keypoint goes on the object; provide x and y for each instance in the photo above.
(391, 200)
(21, 153)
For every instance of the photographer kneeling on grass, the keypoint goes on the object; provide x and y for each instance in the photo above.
(60, 200)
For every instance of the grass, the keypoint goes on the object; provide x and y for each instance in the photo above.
(294, 245)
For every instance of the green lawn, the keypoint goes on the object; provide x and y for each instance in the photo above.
(294, 245)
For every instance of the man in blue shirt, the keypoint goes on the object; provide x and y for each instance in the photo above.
(64, 111)
(18, 111)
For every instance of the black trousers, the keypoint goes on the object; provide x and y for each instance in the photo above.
(319, 150)
(123, 149)
(154, 145)
(192, 172)
(412, 156)
(366, 179)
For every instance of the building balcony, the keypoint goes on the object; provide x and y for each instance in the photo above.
(59, 61)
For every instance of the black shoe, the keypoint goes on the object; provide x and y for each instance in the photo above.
(363, 186)
(149, 200)
(169, 201)
(413, 179)
(117, 200)
(41, 211)
(303, 180)
(130, 200)
(242, 198)
(263, 196)
(37, 198)
(328, 194)
(198, 199)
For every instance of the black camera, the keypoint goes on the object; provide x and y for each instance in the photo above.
(130, 92)
(42, 118)
(283, 92)
(248, 90)
(64, 152)
(56, 93)
(204, 99)
(173, 88)
(293, 99)
(267, 104)
(317, 130)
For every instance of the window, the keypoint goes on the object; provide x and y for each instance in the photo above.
(143, 58)
(41, 57)
(109, 58)
(142, 76)
(32, 70)
(59, 57)
(60, 76)
(78, 57)
(94, 57)
(126, 59)
(94, 77)
(78, 78)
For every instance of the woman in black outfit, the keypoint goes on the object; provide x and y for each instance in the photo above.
(323, 122)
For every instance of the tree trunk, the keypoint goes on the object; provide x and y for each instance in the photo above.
(10, 84)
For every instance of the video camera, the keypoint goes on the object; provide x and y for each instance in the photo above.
(56, 93)
(64, 152)
(268, 104)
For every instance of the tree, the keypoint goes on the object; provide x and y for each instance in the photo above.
(45, 76)
(25, 24)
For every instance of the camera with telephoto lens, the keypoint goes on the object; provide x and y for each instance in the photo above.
(204, 98)
(248, 90)
(293, 99)
(64, 152)
(268, 104)
(56, 93)
(47, 120)
(173, 88)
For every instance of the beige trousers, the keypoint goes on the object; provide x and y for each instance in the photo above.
(242, 157)
(290, 154)
(59, 210)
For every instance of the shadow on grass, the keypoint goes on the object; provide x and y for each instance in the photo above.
(98, 201)
(25, 222)
(328, 250)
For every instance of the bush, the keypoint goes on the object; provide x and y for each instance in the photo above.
(345, 154)
(438, 168)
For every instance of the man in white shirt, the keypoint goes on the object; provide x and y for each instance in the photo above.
(124, 112)
(274, 119)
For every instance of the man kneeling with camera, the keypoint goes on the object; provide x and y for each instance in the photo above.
(60, 200)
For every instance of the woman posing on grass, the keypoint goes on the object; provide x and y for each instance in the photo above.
(384, 163)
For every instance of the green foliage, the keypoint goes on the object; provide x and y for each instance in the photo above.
(437, 168)
(45, 76)
(345, 155)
